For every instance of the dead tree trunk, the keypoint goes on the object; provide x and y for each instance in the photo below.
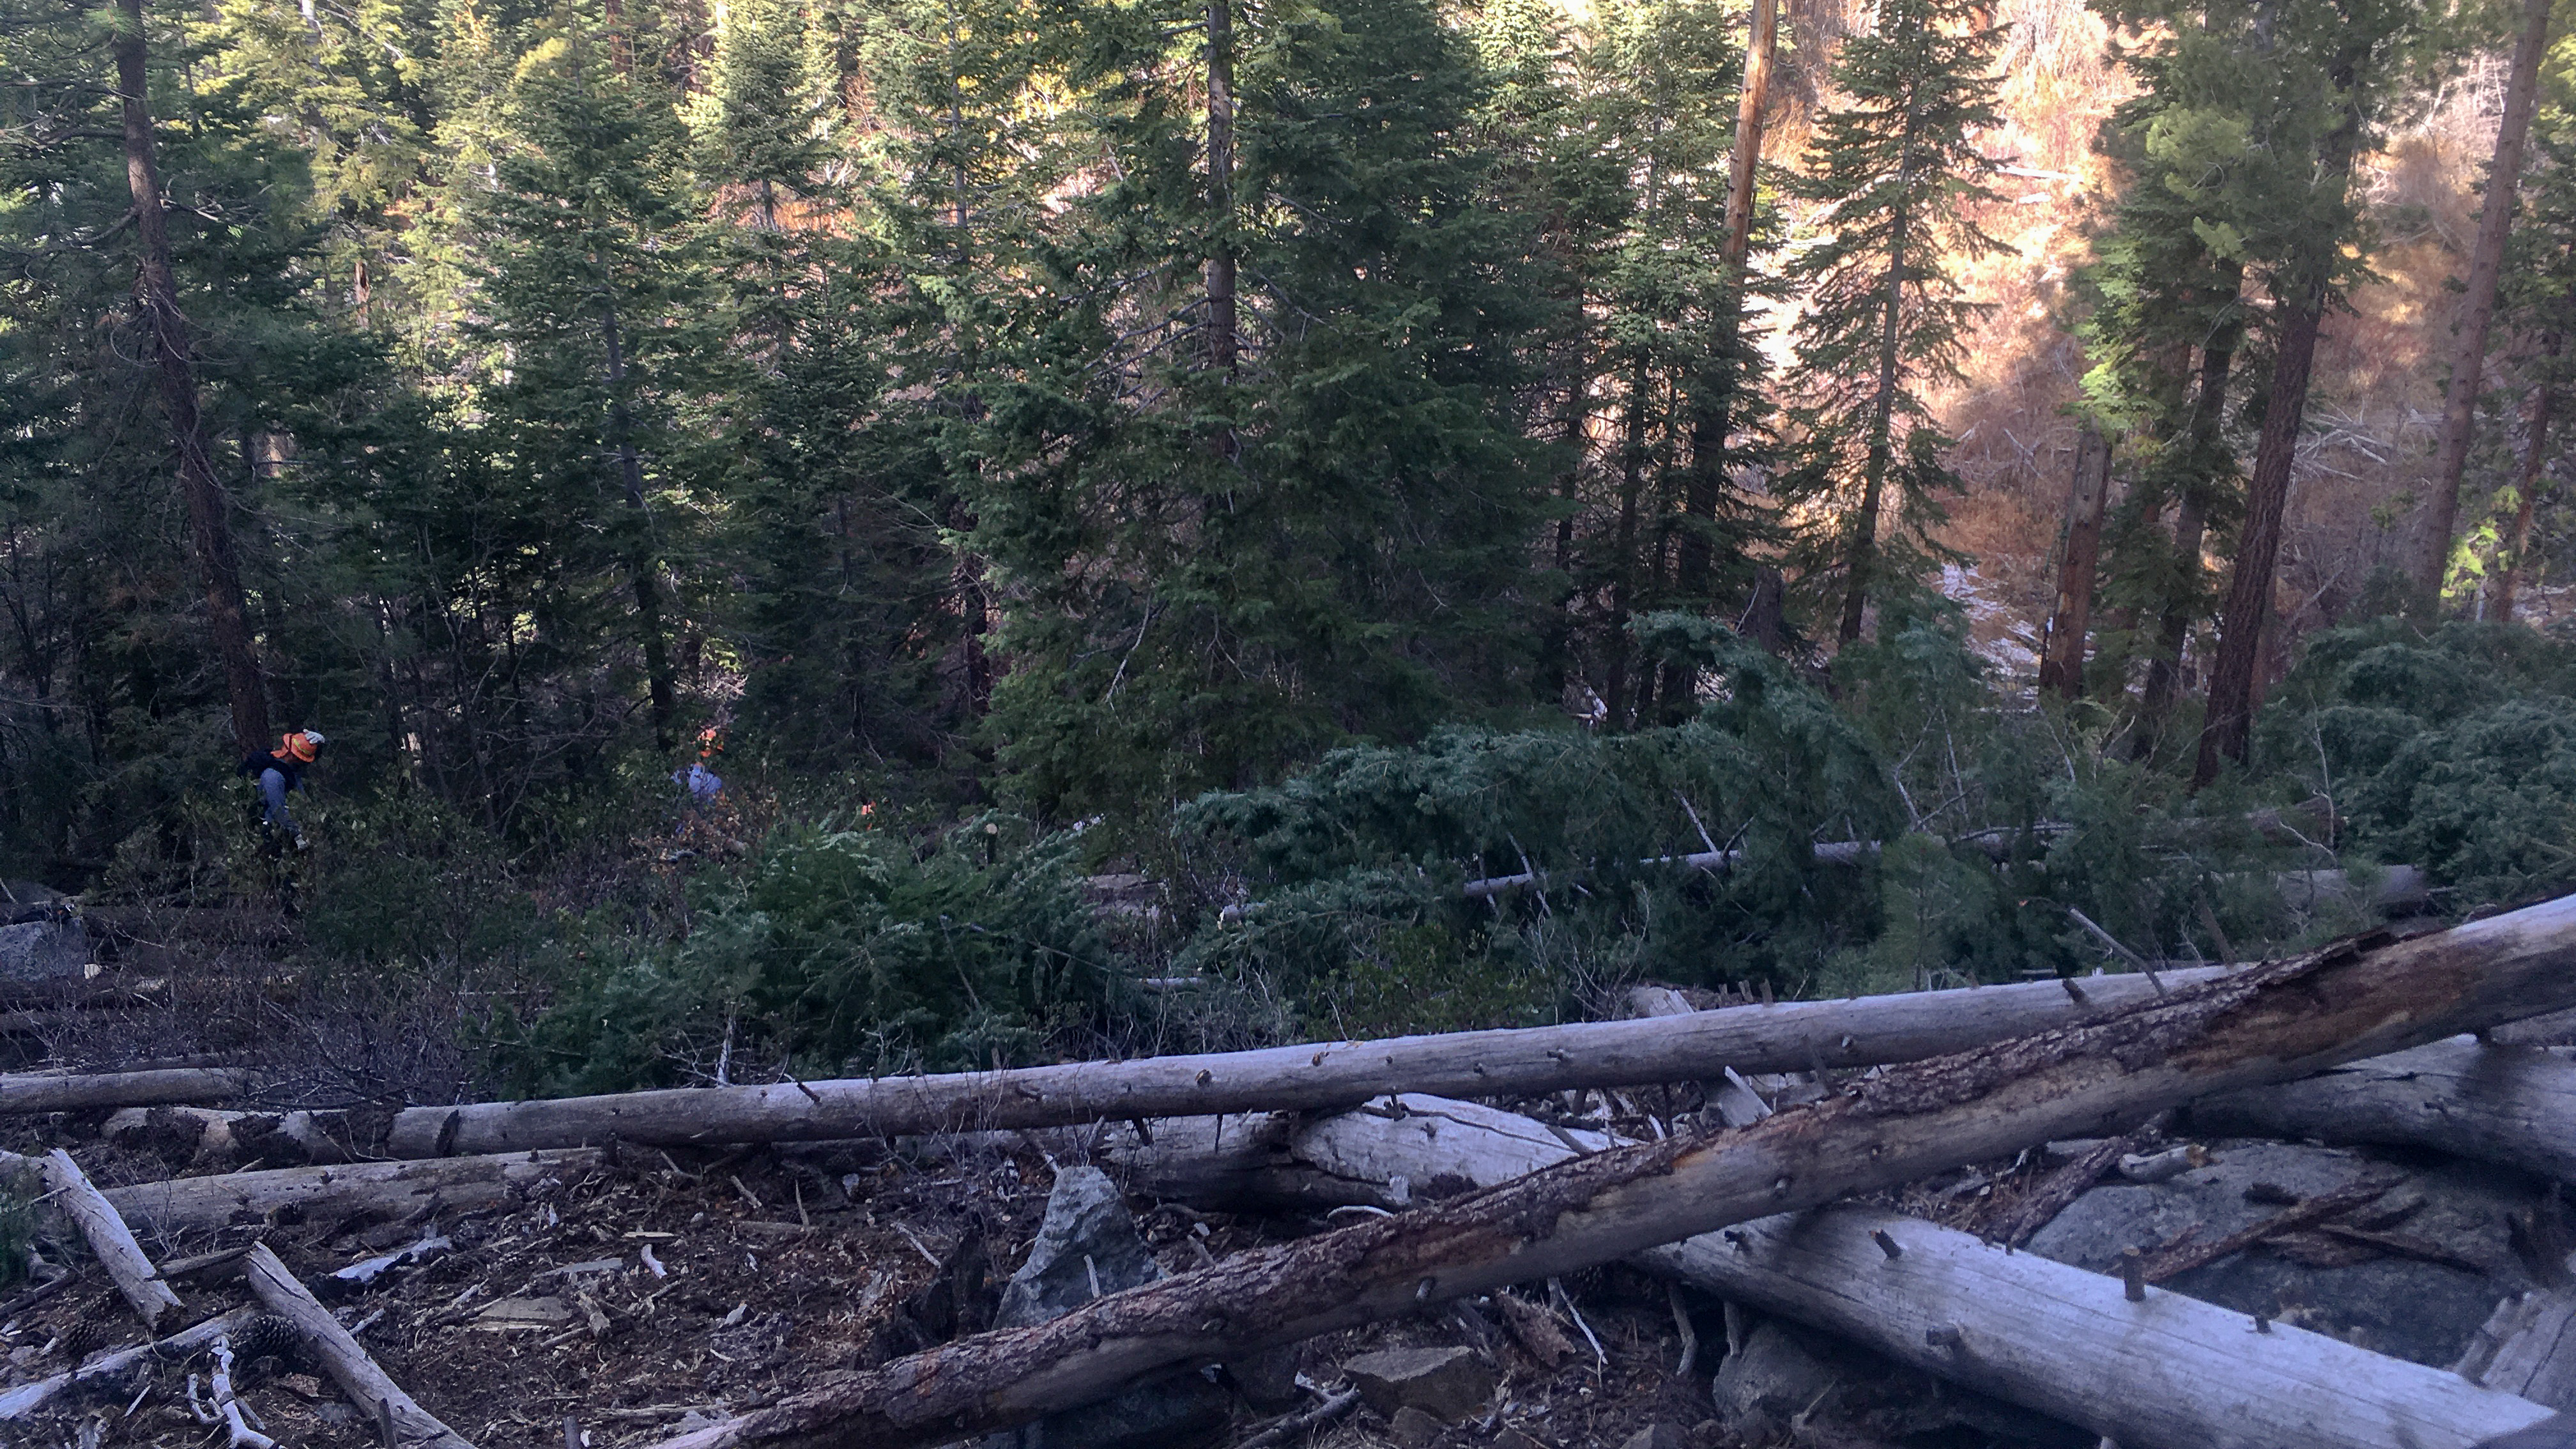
(1220, 165)
(2514, 1105)
(110, 1240)
(157, 289)
(20, 1095)
(2270, 1023)
(2062, 668)
(1865, 1031)
(2477, 309)
(457, 1183)
(404, 1421)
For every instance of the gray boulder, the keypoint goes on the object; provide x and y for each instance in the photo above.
(1089, 1239)
(44, 951)
(1448, 1382)
(2405, 1306)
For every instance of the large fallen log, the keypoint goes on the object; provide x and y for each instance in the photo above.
(24, 1094)
(2276, 1021)
(2514, 1105)
(403, 1421)
(1792, 1036)
(393, 1187)
(2167, 1373)
(110, 1374)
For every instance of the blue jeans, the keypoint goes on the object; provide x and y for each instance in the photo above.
(272, 788)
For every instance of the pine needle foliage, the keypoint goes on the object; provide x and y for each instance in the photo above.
(1894, 175)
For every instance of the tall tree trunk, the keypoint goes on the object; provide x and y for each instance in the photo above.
(640, 562)
(2191, 517)
(1220, 165)
(1882, 421)
(1632, 476)
(2228, 729)
(1713, 418)
(2062, 668)
(157, 289)
(2526, 488)
(2249, 593)
(2486, 260)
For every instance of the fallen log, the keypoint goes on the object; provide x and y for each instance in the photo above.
(222, 1136)
(110, 1240)
(2279, 1020)
(188, 1203)
(1792, 1036)
(405, 1423)
(2514, 1105)
(23, 1094)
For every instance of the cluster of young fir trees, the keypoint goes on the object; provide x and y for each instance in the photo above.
(1102, 402)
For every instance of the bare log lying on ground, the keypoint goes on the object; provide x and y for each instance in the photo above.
(118, 1089)
(394, 1187)
(2528, 1347)
(1794, 1036)
(404, 1422)
(110, 1240)
(2271, 1022)
(283, 1137)
(2514, 1105)
(112, 1368)
(2167, 1373)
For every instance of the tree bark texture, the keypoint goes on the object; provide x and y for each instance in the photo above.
(2062, 667)
(358, 1376)
(174, 366)
(2514, 1105)
(112, 1375)
(1882, 441)
(641, 564)
(2477, 309)
(110, 1240)
(459, 1183)
(2191, 520)
(2228, 733)
(2269, 1023)
(19, 1095)
(1792, 1036)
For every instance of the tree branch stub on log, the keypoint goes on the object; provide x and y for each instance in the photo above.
(358, 1376)
(2271, 1022)
(1860, 1032)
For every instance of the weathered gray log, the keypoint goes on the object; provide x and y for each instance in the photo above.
(396, 1187)
(110, 1240)
(367, 1385)
(112, 1368)
(2514, 1105)
(2528, 1348)
(1792, 1036)
(22, 1094)
(282, 1137)
(2271, 1022)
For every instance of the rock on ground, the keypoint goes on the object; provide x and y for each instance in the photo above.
(2403, 1306)
(1449, 1383)
(1088, 1245)
(44, 951)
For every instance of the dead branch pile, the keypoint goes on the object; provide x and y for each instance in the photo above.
(1435, 1241)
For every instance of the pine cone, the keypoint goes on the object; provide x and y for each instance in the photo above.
(265, 1335)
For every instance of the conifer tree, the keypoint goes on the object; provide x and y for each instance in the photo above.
(589, 259)
(1894, 174)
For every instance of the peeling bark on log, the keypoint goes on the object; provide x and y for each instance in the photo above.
(2514, 1105)
(458, 1182)
(110, 1240)
(340, 1356)
(117, 1089)
(2269, 1023)
(1794, 1036)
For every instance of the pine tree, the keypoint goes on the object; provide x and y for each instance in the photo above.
(1210, 575)
(1893, 176)
(588, 260)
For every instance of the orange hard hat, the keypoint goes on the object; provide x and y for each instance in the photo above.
(303, 745)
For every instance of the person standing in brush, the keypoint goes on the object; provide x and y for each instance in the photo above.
(277, 772)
